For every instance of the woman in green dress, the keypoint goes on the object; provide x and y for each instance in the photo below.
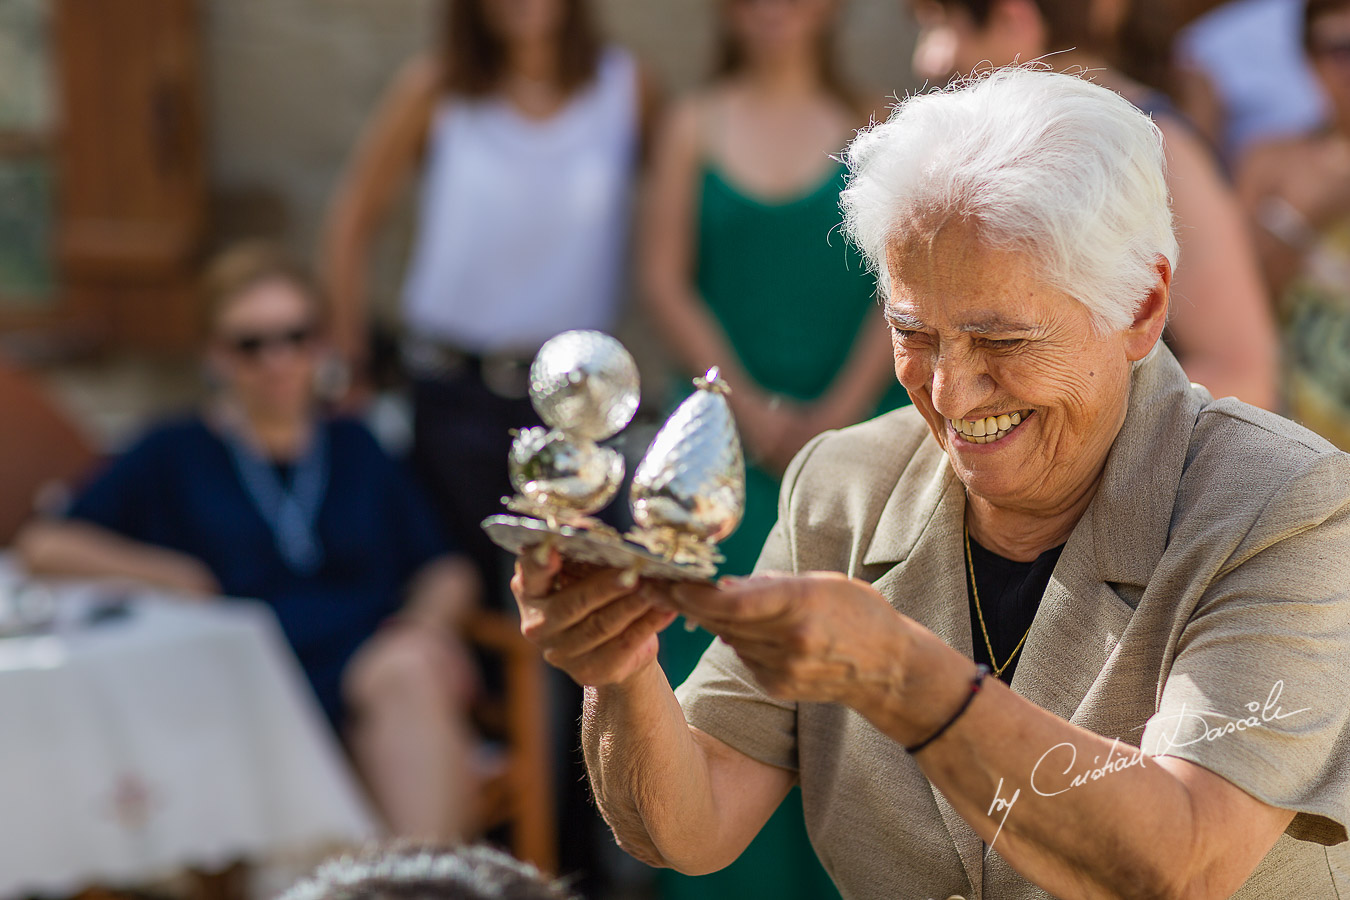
(743, 268)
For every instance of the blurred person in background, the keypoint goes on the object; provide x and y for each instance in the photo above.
(1220, 326)
(524, 130)
(262, 496)
(1241, 75)
(1297, 191)
(742, 268)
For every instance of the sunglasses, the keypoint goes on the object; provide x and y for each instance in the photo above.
(253, 346)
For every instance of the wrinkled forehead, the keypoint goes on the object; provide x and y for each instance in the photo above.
(943, 271)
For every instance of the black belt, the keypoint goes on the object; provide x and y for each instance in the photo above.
(505, 374)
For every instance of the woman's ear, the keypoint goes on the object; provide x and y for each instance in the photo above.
(1151, 317)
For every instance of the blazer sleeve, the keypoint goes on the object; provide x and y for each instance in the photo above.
(720, 697)
(1256, 692)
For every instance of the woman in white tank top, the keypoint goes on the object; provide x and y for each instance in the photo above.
(525, 132)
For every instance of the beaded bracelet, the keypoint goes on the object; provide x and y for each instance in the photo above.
(980, 672)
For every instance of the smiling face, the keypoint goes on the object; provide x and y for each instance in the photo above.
(1015, 383)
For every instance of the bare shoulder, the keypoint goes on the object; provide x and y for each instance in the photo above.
(685, 124)
(420, 77)
(1186, 150)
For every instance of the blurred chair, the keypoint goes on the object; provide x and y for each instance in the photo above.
(519, 797)
(40, 447)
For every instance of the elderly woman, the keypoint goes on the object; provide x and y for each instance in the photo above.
(1165, 574)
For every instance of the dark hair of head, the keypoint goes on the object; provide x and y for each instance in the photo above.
(243, 266)
(1068, 23)
(475, 57)
(1314, 10)
(417, 872)
(731, 60)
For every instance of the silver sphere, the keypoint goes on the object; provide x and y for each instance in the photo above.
(584, 383)
(552, 470)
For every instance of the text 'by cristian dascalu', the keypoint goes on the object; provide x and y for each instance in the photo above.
(1066, 752)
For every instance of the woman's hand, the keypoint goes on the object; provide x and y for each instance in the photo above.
(600, 626)
(817, 637)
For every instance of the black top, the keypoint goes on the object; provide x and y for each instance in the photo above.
(1010, 592)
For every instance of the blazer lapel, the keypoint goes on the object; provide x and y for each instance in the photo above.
(924, 585)
(1080, 620)
(1119, 540)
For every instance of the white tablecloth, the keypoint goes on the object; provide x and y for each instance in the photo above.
(175, 736)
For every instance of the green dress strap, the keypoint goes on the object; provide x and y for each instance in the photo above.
(791, 295)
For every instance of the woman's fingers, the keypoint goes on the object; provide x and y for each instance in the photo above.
(623, 654)
(602, 625)
(536, 567)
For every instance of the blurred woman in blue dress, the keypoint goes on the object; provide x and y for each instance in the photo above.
(260, 495)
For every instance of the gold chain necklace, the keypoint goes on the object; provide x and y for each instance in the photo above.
(989, 645)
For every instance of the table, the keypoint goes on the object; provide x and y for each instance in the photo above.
(178, 735)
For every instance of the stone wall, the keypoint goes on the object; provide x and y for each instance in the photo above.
(292, 81)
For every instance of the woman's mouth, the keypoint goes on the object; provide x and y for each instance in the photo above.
(989, 429)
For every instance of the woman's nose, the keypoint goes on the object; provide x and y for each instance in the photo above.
(960, 383)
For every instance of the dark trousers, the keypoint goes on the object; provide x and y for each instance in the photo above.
(461, 437)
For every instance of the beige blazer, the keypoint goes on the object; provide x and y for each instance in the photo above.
(1212, 566)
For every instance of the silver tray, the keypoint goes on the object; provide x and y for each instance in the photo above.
(515, 533)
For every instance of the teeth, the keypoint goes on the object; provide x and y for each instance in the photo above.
(987, 430)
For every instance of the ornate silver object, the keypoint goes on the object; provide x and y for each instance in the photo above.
(583, 384)
(688, 492)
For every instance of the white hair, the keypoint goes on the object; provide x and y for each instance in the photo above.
(1045, 163)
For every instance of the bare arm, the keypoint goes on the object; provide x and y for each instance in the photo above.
(385, 158)
(1258, 185)
(1162, 828)
(673, 795)
(69, 547)
(1200, 102)
(858, 387)
(1221, 316)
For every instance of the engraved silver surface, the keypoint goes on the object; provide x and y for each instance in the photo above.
(558, 474)
(585, 383)
(688, 492)
(516, 534)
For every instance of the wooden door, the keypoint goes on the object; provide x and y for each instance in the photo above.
(131, 168)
